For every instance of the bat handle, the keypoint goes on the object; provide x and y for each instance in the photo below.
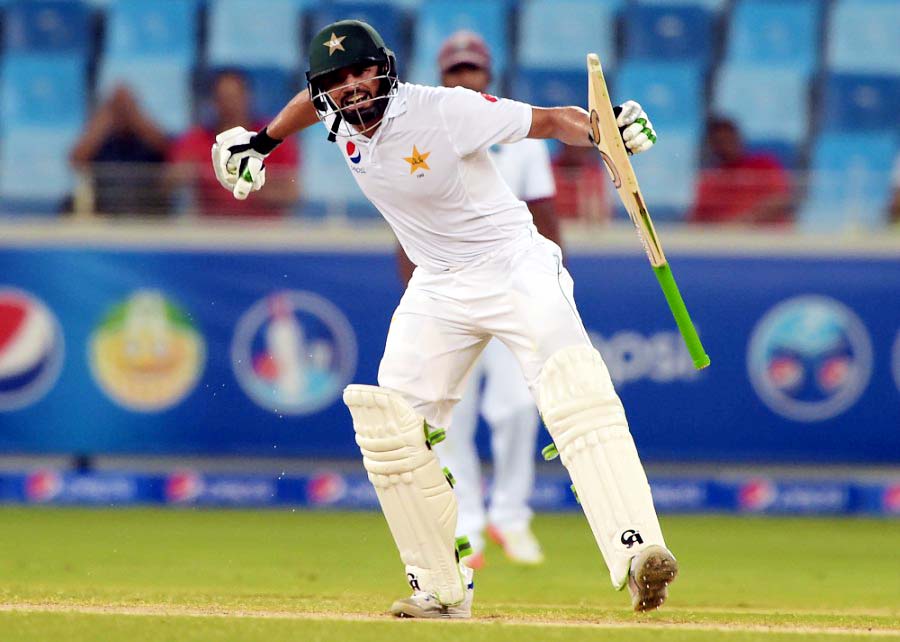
(682, 318)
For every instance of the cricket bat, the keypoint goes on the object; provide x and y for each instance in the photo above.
(609, 142)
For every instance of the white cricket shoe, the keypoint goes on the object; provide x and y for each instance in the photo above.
(652, 570)
(425, 605)
(520, 545)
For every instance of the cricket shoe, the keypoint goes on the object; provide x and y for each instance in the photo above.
(475, 560)
(425, 605)
(652, 570)
(520, 545)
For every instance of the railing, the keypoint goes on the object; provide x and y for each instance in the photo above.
(839, 202)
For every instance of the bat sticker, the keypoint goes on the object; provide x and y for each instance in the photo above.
(595, 134)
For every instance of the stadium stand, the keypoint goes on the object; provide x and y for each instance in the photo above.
(864, 36)
(668, 33)
(671, 91)
(437, 19)
(860, 102)
(550, 39)
(850, 183)
(242, 35)
(47, 26)
(775, 33)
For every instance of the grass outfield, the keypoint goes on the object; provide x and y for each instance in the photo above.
(140, 575)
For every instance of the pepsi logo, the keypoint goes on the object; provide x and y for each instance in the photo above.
(810, 358)
(31, 349)
(488, 97)
(353, 152)
(756, 495)
(326, 488)
(43, 486)
(183, 487)
(891, 499)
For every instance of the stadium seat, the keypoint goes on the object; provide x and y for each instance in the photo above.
(860, 102)
(48, 26)
(548, 88)
(327, 185)
(162, 86)
(437, 19)
(400, 4)
(668, 33)
(162, 28)
(668, 173)
(863, 36)
(241, 34)
(671, 92)
(712, 5)
(35, 175)
(767, 103)
(550, 35)
(786, 153)
(850, 181)
(775, 33)
(42, 90)
(385, 18)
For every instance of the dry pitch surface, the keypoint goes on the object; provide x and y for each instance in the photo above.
(185, 575)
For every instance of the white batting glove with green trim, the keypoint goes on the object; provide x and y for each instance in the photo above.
(635, 126)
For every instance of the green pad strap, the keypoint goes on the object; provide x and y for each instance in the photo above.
(575, 492)
(450, 478)
(463, 547)
(433, 435)
(549, 452)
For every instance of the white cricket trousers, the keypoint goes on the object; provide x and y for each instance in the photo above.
(510, 412)
(521, 294)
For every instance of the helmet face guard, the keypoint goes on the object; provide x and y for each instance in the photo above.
(364, 115)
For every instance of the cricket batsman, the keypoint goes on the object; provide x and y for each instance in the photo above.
(505, 403)
(420, 154)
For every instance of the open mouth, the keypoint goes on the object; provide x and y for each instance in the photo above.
(356, 99)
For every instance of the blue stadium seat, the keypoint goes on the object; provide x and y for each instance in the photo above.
(712, 5)
(385, 18)
(437, 19)
(548, 88)
(774, 32)
(326, 183)
(668, 174)
(34, 167)
(786, 153)
(400, 4)
(767, 103)
(47, 25)
(670, 92)
(162, 86)
(42, 90)
(558, 33)
(850, 183)
(240, 33)
(668, 33)
(859, 102)
(137, 28)
(863, 36)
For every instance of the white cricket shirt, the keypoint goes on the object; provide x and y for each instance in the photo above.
(427, 170)
(526, 168)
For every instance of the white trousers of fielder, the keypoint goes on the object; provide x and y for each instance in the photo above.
(509, 409)
(523, 296)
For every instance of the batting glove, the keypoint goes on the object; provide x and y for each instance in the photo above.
(634, 125)
(238, 158)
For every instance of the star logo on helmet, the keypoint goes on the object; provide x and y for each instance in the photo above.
(334, 44)
(417, 160)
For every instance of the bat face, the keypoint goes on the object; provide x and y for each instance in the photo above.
(597, 136)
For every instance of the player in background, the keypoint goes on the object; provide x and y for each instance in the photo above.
(505, 403)
(420, 155)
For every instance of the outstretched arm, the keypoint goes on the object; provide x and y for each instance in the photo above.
(572, 126)
(296, 115)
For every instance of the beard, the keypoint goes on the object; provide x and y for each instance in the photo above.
(366, 113)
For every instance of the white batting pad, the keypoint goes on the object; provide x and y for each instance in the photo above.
(417, 500)
(587, 422)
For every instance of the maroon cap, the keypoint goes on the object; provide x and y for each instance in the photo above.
(464, 48)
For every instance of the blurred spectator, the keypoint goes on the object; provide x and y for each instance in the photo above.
(737, 186)
(895, 199)
(580, 184)
(191, 165)
(122, 150)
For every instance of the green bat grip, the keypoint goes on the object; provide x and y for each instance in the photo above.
(682, 318)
